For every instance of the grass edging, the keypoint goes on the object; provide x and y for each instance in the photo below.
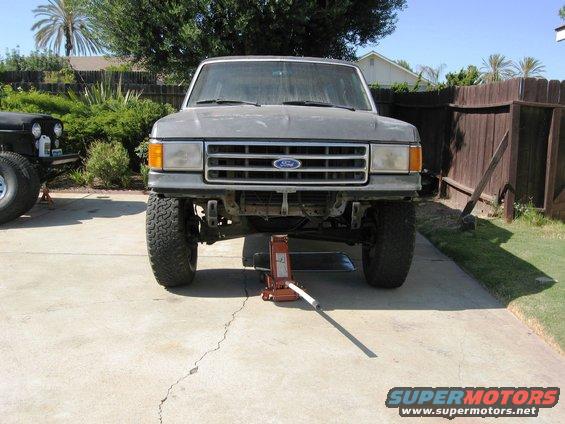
(506, 259)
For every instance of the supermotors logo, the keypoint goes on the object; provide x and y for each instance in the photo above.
(451, 402)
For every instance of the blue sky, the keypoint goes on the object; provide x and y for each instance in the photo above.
(429, 32)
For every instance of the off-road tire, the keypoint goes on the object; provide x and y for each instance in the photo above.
(30, 173)
(172, 249)
(13, 203)
(387, 260)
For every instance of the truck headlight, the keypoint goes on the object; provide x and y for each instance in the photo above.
(36, 130)
(58, 129)
(395, 159)
(176, 156)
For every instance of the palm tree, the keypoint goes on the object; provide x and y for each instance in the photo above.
(64, 20)
(496, 68)
(529, 67)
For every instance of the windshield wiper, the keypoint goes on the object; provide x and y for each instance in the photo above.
(313, 103)
(226, 101)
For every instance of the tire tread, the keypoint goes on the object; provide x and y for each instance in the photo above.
(396, 233)
(167, 243)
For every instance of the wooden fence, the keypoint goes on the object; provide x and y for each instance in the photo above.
(172, 94)
(461, 128)
(82, 77)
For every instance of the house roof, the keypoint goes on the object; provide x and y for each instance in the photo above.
(94, 63)
(391, 62)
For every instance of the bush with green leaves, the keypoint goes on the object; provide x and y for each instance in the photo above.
(34, 101)
(62, 76)
(469, 76)
(39, 60)
(108, 164)
(400, 87)
(528, 213)
(128, 121)
(142, 152)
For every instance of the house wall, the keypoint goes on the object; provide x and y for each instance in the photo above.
(385, 74)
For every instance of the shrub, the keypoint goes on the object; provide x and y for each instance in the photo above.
(62, 76)
(469, 76)
(80, 178)
(142, 151)
(400, 87)
(38, 102)
(105, 92)
(529, 214)
(114, 119)
(36, 61)
(108, 163)
(144, 171)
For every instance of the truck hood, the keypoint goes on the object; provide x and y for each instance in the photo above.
(282, 122)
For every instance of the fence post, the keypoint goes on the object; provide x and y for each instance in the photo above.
(513, 145)
(551, 164)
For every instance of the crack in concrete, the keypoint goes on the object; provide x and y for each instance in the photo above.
(194, 368)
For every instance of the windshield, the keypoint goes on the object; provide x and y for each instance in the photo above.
(279, 82)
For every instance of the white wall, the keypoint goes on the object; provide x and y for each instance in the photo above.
(377, 70)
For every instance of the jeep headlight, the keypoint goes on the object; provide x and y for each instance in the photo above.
(36, 130)
(176, 156)
(58, 129)
(395, 159)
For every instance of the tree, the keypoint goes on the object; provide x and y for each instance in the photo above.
(35, 61)
(562, 12)
(496, 68)
(469, 76)
(529, 67)
(174, 35)
(64, 20)
(404, 64)
(432, 74)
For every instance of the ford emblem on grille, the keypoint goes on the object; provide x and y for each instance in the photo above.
(287, 163)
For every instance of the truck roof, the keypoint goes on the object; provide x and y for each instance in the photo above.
(281, 58)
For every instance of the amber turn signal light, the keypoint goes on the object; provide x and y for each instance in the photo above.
(155, 156)
(415, 159)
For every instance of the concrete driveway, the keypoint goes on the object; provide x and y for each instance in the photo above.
(86, 335)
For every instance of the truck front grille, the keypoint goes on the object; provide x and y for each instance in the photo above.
(251, 162)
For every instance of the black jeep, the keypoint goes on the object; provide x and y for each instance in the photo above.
(30, 154)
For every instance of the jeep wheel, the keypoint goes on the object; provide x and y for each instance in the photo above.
(14, 190)
(386, 261)
(172, 247)
(31, 175)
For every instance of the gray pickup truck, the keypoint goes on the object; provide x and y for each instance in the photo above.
(285, 145)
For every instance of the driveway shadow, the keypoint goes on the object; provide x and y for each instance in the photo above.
(435, 282)
(72, 211)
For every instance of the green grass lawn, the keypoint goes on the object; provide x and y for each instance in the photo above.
(507, 259)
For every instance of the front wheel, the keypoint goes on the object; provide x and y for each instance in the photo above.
(31, 175)
(172, 247)
(14, 190)
(388, 255)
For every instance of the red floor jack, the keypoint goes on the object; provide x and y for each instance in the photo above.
(280, 285)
